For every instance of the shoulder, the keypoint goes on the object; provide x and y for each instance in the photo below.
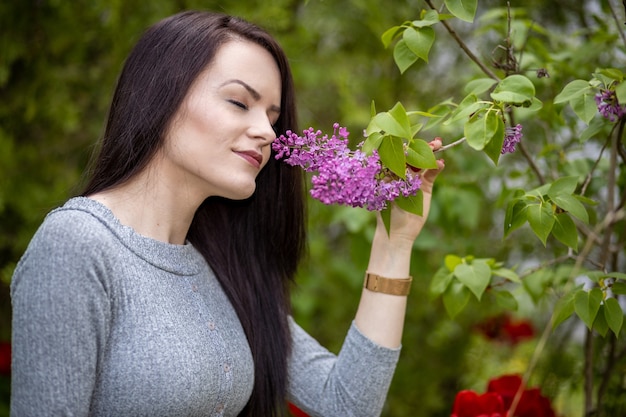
(70, 239)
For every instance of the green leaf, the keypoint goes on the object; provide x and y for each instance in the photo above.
(515, 89)
(493, 149)
(613, 314)
(585, 107)
(620, 92)
(455, 298)
(386, 217)
(587, 304)
(541, 220)
(507, 274)
(440, 281)
(564, 308)
(403, 56)
(398, 113)
(463, 9)
(480, 130)
(466, 108)
(391, 152)
(419, 41)
(565, 231)
(391, 123)
(619, 288)
(600, 324)
(572, 90)
(479, 86)
(475, 276)
(570, 204)
(516, 215)
(451, 261)
(612, 73)
(563, 185)
(420, 155)
(506, 300)
(390, 34)
(413, 204)
(372, 142)
(429, 18)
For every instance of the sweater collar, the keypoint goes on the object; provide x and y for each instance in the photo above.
(177, 259)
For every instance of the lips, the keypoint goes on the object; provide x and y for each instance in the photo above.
(254, 158)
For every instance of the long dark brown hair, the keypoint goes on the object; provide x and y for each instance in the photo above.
(254, 246)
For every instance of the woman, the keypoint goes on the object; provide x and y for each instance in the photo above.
(163, 290)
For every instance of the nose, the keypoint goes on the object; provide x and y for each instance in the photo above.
(262, 129)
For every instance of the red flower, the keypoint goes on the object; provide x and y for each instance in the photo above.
(504, 329)
(531, 403)
(5, 358)
(296, 412)
(469, 404)
(497, 401)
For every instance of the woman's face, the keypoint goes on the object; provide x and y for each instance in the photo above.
(220, 138)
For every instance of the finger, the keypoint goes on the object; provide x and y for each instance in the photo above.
(435, 143)
(428, 176)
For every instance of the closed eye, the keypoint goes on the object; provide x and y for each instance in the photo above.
(238, 104)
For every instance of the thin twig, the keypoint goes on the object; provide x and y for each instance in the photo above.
(451, 145)
(464, 46)
(617, 22)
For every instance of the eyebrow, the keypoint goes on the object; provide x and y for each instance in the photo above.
(255, 94)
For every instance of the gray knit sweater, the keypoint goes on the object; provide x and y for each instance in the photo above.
(107, 322)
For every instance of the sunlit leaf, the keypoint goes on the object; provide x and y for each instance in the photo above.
(390, 34)
(493, 149)
(420, 155)
(572, 90)
(507, 274)
(570, 204)
(515, 89)
(442, 278)
(475, 276)
(480, 130)
(563, 185)
(403, 56)
(585, 107)
(451, 261)
(455, 298)
(541, 220)
(419, 41)
(479, 86)
(413, 204)
(463, 9)
(391, 153)
(587, 304)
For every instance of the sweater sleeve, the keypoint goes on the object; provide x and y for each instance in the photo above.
(60, 319)
(353, 383)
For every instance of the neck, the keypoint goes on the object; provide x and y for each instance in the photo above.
(152, 209)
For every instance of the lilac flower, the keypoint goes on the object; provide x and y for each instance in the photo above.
(608, 106)
(512, 136)
(342, 176)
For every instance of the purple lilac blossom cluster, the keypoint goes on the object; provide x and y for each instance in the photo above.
(343, 176)
(608, 106)
(513, 135)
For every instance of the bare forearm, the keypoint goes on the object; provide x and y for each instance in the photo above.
(380, 316)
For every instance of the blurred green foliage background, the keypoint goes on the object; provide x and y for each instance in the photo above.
(58, 64)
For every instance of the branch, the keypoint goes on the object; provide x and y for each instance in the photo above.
(617, 22)
(464, 46)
